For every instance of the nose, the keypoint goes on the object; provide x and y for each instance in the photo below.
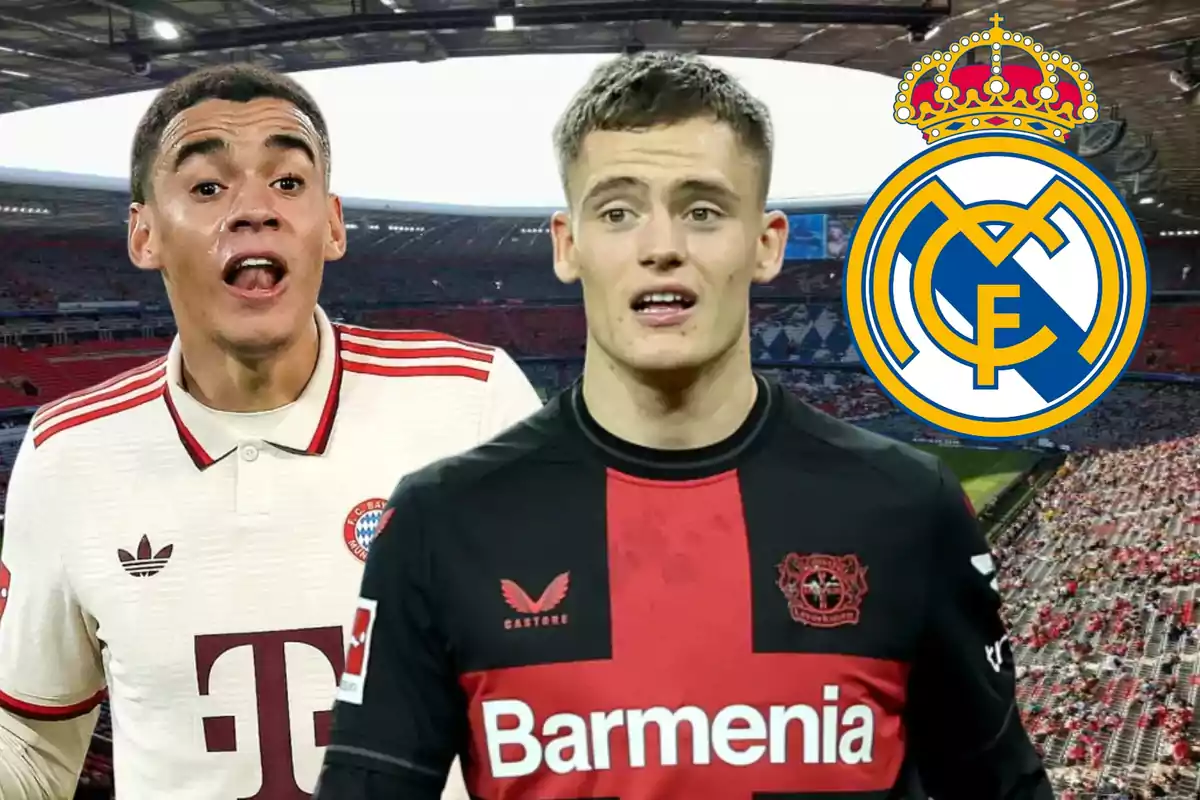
(253, 209)
(660, 245)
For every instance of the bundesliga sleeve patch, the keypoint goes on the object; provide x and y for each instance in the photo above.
(358, 655)
(5, 585)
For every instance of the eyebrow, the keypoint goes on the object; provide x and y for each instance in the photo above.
(200, 147)
(692, 186)
(708, 188)
(276, 141)
(610, 185)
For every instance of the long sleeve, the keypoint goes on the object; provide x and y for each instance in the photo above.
(966, 730)
(50, 674)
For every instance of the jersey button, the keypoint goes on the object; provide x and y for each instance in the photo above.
(249, 452)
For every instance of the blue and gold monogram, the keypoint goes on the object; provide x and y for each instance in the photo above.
(996, 286)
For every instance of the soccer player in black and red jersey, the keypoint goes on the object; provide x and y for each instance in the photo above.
(678, 581)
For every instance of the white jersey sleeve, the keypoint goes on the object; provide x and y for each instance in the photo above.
(511, 397)
(50, 666)
(51, 678)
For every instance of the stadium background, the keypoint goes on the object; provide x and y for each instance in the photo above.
(1095, 526)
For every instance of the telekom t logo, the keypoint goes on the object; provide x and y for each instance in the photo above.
(271, 692)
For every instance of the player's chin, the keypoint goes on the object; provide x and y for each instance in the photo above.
(263, 332)
(666, 354)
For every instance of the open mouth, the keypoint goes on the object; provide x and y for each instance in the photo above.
(653, 303)
(254, 273)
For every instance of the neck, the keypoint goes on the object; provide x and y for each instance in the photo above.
(228, 381)
(671, 410)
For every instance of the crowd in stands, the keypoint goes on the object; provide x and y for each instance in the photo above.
(1101, 580)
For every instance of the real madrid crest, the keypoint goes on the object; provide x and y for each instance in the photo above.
(996, 286)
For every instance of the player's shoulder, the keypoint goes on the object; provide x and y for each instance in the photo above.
(402, 356)
(539, 441)
(865, 456)
(102, 414)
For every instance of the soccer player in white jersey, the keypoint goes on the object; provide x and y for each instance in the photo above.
(188, 538)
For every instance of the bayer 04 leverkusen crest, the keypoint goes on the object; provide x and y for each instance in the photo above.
(996, 286)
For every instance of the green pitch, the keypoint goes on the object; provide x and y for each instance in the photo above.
(983, 473)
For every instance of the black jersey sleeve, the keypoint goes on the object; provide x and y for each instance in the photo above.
(400, 716)
(966, 731)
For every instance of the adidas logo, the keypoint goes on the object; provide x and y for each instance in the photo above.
(145, 564)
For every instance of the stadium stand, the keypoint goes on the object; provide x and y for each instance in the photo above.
(1171, 341)
(793, 332)
(1101, 575)
(34, 275)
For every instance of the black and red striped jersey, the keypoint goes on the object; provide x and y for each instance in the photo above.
(805, 610)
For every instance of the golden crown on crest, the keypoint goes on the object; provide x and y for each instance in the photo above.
(943, 97)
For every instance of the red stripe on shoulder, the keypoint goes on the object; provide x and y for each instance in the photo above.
(132, 401)
(42, 713)
(145, 375)
(418, 371)
(82, 397)
(408, 336)
(416, 352)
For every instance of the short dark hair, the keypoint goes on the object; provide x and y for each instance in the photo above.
(650, 89)
(239, 83)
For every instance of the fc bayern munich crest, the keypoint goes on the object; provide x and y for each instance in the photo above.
(362, 525)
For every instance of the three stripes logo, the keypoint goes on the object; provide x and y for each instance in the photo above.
(146, 562)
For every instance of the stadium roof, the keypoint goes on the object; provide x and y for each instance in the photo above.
(466, 135)
(36, 209)
(53, 51)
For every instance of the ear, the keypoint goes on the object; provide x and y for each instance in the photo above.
(335, 244)
(771, 244)
(142, 241)
(564, 247)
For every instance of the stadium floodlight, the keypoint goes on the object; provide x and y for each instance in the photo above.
(1147, 200)
(165, 29)
(504, 22)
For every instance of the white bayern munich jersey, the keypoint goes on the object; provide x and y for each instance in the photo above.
(207, 582)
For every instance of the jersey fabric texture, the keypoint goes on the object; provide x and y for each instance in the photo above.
(805, 610)
(204, 578)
